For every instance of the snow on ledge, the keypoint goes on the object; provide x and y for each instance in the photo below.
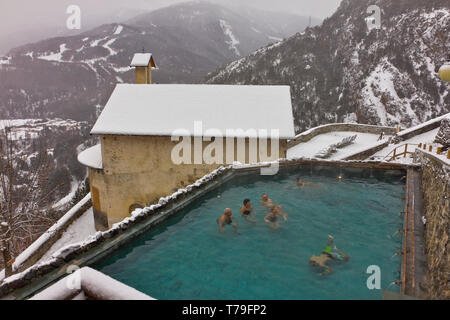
(92, 157)
(442, 157)
(92, 283)
(409, 130)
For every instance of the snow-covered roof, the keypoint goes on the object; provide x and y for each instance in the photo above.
(92, 157)
(141, 60)
(165, 109)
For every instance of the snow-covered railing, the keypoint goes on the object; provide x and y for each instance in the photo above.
(87, 283)
(39, 247)
(424, 127)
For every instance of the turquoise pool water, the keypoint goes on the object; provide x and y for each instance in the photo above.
(186, 257)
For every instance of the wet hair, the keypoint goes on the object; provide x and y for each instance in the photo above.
(246, 200)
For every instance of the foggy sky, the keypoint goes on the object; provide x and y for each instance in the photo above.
(29, 19)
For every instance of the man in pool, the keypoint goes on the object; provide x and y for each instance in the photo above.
(246, 211)
(302, 183)
(272, 218)
(226, 219)
(328, 254)
(266, 201)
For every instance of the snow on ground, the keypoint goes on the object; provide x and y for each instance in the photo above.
(78, 231)
(310, 148)
(427, 138)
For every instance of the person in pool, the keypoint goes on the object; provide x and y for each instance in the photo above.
(226, 219)
(266, 201)
(328, 254)
(272, 218)
(246, 211)
(302, 183)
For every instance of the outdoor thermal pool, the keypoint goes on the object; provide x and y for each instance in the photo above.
(186, 257)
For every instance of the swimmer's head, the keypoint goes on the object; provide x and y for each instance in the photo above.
(228, 212)
(246, 201)
(299, 181)
(264, 196)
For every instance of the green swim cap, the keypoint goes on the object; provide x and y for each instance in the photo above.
(327, 249)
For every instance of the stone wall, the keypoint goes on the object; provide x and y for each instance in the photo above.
(436, 196)
(363, 128)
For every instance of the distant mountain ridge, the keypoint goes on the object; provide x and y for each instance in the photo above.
(342, 72)
(68, 77)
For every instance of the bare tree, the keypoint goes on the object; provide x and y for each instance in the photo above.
(24, 215)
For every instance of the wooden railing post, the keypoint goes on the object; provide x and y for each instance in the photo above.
(439, 150)
(448, 154)
(406, 149)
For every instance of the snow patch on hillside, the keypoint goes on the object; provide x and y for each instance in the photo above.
(379, 93)
(228, 31)
(57, 57)
(118, 30)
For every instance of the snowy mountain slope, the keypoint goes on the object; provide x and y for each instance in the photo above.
(341, 71)
(68, 76)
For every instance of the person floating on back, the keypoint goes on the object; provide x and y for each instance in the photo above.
(272, 218)
(328, 254)
(246, 211)
(226, 219)
(266, 202)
